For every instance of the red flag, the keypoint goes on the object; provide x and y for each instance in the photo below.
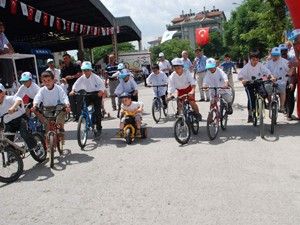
(92, 30)
(84, 29)
(202, 36)
(294, 7)
(68, 26)
(58, 23)
(13, 6)
(30, 13)
(45, 19)
(98, 31)
(76, 28)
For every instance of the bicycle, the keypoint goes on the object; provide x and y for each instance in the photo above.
(186, 122)
(54, 137)
(157, 105)
(273, 106)
(85, 122)
(217, 115)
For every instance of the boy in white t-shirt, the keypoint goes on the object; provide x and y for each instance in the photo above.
(28, 87)
(215, 77)
(132, 107)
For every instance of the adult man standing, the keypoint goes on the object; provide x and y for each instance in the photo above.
(199, 65)
(71, 72)
(56, 72)
(187, 64)
(164, 64)
(5, 46)
(113, 82)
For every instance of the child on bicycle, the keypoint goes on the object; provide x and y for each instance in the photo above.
(16, 120)
(132, 107)
(158, 78)
(50, 96)
(215, 77)
(227, 67)
(254, 69)
(91, 83)
(127, 84)
(183, 82)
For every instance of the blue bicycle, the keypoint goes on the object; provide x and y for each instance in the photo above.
(85, 122)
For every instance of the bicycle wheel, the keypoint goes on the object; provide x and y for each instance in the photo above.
(224, 116)
(39, 153)
(274, 109)
(212, 126)
(11, 165)
(128, 136)
(51, 148)
(156, 110)
(182, 131)
(261, 118)
(194, 123)
(82, 132)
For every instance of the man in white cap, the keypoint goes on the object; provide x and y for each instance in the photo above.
(28, 88)
(16, 119)
(56, 72)
(164, 64)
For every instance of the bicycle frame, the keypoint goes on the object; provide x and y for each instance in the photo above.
(87, 114)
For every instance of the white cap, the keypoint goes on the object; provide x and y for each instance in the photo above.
(161, 54)
(210, 63)
(2, 88)
(177, 62)
(50, 60)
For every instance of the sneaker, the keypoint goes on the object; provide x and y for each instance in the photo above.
(120, 134)
(229, 110)
(282, 111)
(202, 100)
(250, 119)
(138, 133)
(207, 100)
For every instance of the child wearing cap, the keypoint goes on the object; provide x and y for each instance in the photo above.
(93, 84)
(280, 70)
(183, 82)
(127, 84)
(164, 64)
(16, 120)
(216, 77)
(56, 72)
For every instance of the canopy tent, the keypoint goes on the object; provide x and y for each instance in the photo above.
(88, 12)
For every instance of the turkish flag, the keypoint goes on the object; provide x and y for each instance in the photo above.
(76, 28)
(30, 13)
(294, 8)
(202, 36)
(58, 23)
(92, 30)
(68, 26)
(84, 29)
(13, 6)
(45, 19)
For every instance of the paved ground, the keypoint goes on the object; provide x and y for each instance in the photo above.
(237, 179)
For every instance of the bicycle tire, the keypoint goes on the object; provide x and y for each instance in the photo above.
(181, 124)
(51, 147)
(273, 116)
(82, 125)
(224, 116)
(212, 121)
(20, 165)
(39, 154)
(194, 123)
(261, 118)
(156, 107)
(128, 136)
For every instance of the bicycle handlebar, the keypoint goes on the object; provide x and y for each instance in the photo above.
(165, 85)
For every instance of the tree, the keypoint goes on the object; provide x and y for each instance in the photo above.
(215, 47)
(103, 51)
(172, 49)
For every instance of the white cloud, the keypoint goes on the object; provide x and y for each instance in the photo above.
(152, 16)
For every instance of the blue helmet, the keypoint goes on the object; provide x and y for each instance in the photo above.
(123, 74)
(276, 52)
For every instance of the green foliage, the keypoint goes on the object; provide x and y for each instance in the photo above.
(215, 47)
(103, 51)
(256, 24)
(172, 49)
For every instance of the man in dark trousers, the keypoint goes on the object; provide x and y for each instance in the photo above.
(113, 82)
(71, 72)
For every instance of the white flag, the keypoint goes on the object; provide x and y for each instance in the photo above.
(24, 9)
(81, 28)
(51, 20)
(72, 27)
(3, 3)
(103, 31)
(96, 30)
(38, 16)
(118, 29)
(88, 29)
(64, 24)
(168, 35)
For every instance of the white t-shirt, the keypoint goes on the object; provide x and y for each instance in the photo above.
(8, 102)
(249, 71)
(279, 69)
(127, 87)
(180, 82)
(30, 92)
(56, 73)
(3, 41)
(165, 66)
(216, 79)
(51, 97)
(132, 107)
(159, 79)
(91, 84)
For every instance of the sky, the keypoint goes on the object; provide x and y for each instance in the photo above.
(152, 16)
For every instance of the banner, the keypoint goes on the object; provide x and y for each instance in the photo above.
(24, 9)
(168, 35)
(202, 36)
(38, 16)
